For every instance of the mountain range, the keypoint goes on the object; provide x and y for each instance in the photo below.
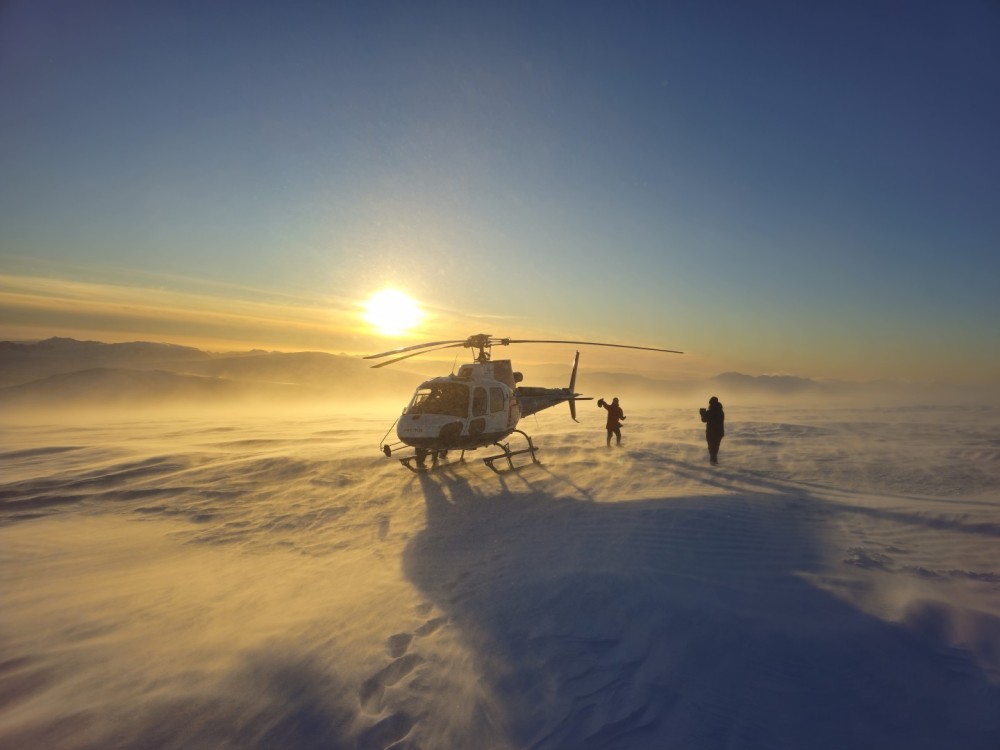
(64, 373)
(61, 372)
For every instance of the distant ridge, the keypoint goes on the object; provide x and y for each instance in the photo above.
(63, 373)
(130, 349)
(116, 386)
(773, 384)
(23, 362)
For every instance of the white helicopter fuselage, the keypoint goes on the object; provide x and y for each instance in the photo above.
(477, 407)
(472, 409)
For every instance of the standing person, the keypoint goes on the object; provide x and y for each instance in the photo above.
(715, 427)
(615, 418)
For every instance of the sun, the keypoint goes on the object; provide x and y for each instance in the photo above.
(392, 312)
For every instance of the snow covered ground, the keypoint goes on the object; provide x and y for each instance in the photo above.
(252, 582)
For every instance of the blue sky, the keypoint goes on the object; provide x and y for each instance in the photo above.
(774, 189)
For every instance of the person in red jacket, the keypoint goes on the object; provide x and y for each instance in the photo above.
(615, 418)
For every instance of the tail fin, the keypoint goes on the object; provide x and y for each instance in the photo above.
(572, 386)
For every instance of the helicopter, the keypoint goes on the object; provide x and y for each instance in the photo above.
(479, 406)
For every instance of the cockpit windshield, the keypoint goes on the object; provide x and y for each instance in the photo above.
(450, 399)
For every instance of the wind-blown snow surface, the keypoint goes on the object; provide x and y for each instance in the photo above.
(251, 583)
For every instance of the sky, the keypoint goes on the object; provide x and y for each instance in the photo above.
(773, 188)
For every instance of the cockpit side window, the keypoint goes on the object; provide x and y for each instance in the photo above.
(479, 402)
(449, 399)
(496, 400)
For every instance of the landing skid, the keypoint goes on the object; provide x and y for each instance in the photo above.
(509, 454)
(420, 459)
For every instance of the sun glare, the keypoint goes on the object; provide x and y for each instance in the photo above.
(392, 312)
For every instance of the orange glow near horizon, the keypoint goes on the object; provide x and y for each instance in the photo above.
(39, 308)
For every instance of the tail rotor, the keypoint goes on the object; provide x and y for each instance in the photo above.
(572, 388)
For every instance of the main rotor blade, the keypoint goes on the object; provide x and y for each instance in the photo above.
(412, 354)
(588, 343)
(411, 348)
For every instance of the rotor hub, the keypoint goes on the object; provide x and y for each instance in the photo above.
(484, 343)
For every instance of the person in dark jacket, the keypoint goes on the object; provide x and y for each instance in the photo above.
(615, 417)
(715, 427)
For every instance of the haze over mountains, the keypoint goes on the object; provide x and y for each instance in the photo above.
(64, 372)
(61, 372)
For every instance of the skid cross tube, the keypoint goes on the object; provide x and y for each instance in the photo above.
(508, 453)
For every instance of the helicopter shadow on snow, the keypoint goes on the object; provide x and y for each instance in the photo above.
(678, 620)
(525, 478)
